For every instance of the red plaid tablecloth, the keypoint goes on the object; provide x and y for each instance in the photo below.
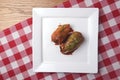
(16, 50)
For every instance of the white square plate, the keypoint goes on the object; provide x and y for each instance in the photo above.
(47, 56)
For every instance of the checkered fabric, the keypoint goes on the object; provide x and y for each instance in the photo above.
(16, 50)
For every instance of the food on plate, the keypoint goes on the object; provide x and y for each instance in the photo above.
(61, 34)
(68, 39)
(72, 43)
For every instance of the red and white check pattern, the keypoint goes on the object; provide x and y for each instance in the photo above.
(16, 50)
